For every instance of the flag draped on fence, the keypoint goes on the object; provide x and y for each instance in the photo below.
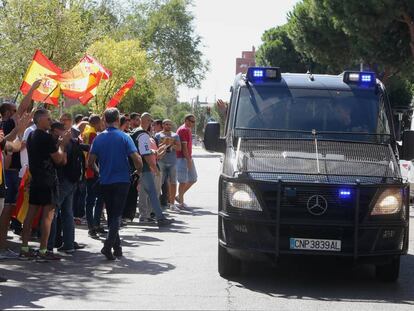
(40, 68)
(115, 100)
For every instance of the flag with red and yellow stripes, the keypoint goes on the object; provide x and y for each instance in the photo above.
(82, 81)
(22, 202)
(40, 68)
(116, 99)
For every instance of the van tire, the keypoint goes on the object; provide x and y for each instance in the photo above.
(227, 264)
(390, 271)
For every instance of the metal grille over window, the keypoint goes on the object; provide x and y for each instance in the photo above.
(333, 159)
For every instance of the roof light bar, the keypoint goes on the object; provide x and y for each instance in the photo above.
(263, 74)
(363, 78)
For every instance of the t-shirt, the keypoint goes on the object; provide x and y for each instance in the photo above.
(24, 160)
(8, 126)
(112, 148)
(144, 148)
(170, 157)
(185, 136)
(88, 136)
(40, 145)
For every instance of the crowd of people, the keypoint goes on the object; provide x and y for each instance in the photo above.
(88, 168)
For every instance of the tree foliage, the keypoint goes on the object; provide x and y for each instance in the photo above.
(125, 59)
(339, 35)
(156, 35)
(167, 33)
(278, 50)
(313, 34)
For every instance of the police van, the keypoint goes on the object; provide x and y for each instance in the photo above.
(310, 167)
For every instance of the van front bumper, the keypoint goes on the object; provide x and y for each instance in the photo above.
(253, 235)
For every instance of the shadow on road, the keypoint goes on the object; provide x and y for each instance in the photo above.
(69, 278)
(328, 281)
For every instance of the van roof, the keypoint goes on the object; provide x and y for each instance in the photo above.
(304, 80)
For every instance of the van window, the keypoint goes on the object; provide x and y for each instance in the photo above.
(280, 108)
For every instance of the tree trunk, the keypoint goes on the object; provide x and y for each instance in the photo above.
(410, 23)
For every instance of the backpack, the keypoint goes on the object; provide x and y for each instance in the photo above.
(134, 135)
(74, 168)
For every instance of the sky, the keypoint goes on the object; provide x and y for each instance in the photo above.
(227, 28)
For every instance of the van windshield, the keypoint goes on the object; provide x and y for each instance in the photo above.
(280, 108)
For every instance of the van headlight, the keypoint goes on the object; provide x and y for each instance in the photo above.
(242, 196)
(389, 202)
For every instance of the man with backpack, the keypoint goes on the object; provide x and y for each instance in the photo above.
(149, 193)
(68, 176)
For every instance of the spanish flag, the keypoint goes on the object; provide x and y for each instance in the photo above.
(82, 81)
(22, 202)
(115, 100)
(40, 68)
(94, 66)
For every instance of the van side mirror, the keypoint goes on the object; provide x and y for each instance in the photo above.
(407, 146)
(212, 140)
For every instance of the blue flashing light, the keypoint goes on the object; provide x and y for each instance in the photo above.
(366, 78)
(258, 73)
(362, 79)
(345, 193)
(263, 74)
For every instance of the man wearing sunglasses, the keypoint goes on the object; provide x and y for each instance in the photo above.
(186, 171)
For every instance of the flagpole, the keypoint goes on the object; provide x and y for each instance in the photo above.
(46, 104)
(15, 97)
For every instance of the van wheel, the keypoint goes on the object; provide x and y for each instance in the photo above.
(389, 272)
(227, 264)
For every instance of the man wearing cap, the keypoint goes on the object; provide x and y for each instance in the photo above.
(148, 195)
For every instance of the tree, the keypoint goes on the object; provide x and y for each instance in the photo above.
(389, 20)
(314, 35)
(167, 34)
(62, 30)
(278, 50)
(381, 31)
(125, 59)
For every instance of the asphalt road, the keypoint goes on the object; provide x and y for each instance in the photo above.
(176, 268)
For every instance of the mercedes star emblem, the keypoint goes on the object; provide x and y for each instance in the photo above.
(317, 205)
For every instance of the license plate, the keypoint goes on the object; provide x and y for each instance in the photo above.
(315, 244)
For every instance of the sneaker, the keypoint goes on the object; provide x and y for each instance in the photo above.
(92, 233)
(118, 252)
(165, 222)
(174, 208)
(107, 252)
(48, 256)
(182, 207)
(8, 254)
(66, 250)
(76, 245)
(146, 221)
(101, 230)
(30, 255)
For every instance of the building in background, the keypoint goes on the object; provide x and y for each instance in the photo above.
(247, 60)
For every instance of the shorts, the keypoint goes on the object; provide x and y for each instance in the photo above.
(12, 185)
(168, 172)
(184, 175)
(42, 195)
